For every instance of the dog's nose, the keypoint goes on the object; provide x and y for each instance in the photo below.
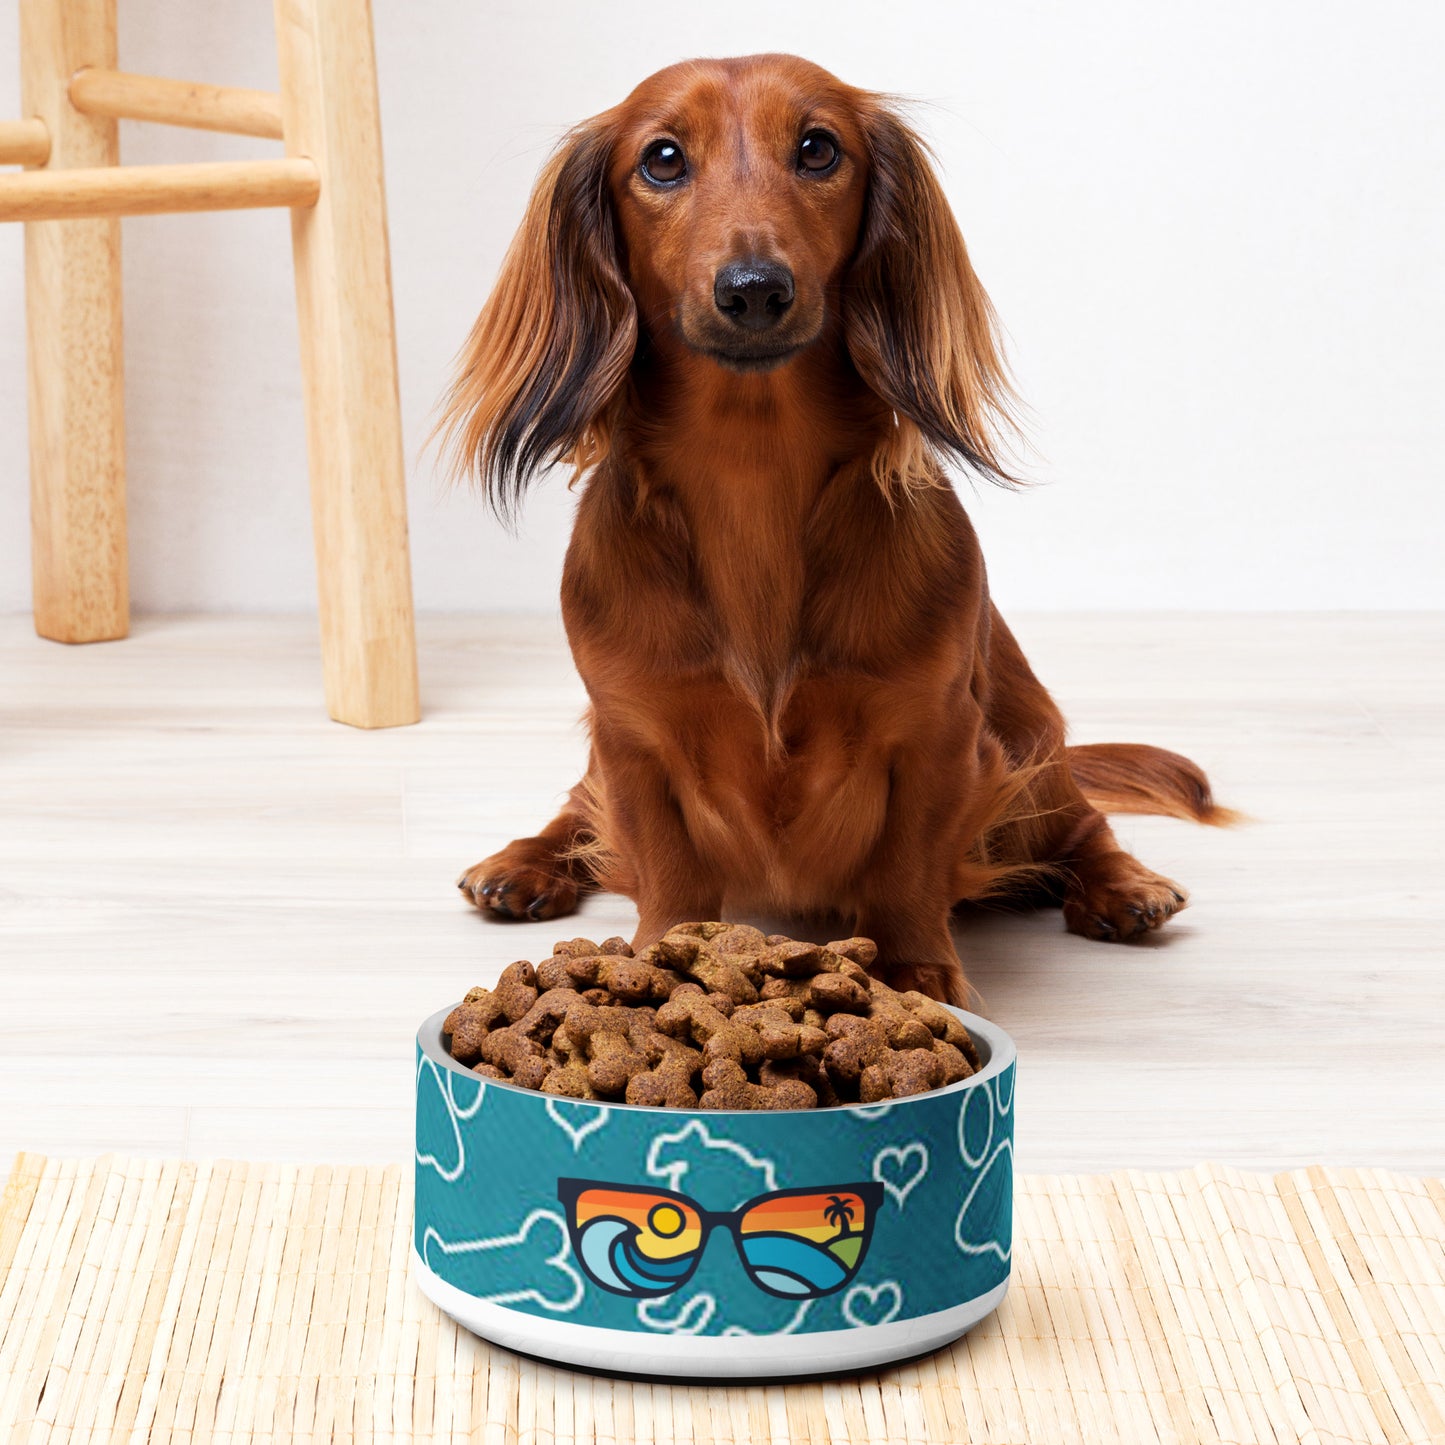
(754, 294)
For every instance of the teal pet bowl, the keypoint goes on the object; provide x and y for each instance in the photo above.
(701, 1243)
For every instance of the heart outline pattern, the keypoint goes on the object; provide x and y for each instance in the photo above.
(900, 1189)
(596, 1118)
(889, 1288)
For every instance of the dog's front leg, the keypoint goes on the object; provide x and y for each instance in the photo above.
(915, 949)
(672, 883)
(904, 900)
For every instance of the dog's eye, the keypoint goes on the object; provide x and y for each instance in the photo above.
(818, 152)
(664, 162)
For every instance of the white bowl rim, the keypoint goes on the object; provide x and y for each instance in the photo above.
(1000, 1047)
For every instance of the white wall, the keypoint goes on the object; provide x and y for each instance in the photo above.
(1213, 230)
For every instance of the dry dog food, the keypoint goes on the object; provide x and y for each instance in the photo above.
(714, 1015)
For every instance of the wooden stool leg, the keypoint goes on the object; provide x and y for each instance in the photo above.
(348, 358)
(72, 295)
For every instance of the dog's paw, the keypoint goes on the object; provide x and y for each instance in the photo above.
(943, 981)
(1116, 899)
(515, 886)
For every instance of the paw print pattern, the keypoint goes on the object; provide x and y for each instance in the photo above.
(986, 1145)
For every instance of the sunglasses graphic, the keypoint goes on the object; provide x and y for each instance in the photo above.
(793, 1243)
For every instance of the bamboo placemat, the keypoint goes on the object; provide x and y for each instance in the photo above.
(152, 1300)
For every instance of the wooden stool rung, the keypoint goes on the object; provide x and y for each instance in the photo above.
(24, 142)
(63, 195)
(122, 96)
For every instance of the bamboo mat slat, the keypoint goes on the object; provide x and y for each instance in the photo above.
(155, 1301)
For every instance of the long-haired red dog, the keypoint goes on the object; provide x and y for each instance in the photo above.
(740, 305)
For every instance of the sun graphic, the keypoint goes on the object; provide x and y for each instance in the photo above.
(666, 1221)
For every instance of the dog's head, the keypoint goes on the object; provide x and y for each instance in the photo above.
(730, 214)
(739, 190)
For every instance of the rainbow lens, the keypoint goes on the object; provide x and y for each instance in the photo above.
(805, 1243)
(633, 1241)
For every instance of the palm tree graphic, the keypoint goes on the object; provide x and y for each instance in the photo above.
(839, 1212)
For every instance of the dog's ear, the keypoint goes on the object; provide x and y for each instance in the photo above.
(919, 325)
(553, 343)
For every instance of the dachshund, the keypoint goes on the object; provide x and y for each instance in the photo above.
(740, 309)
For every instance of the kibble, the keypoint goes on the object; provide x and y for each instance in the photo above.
(713, 1015)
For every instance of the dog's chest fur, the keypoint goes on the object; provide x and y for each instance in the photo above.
(775, 658)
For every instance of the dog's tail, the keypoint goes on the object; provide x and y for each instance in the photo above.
(1135, 778)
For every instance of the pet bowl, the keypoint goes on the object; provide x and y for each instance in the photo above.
(702, 1243)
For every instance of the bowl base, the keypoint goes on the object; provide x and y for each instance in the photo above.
(635, 1355)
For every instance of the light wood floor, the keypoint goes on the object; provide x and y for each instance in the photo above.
(222, 916)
